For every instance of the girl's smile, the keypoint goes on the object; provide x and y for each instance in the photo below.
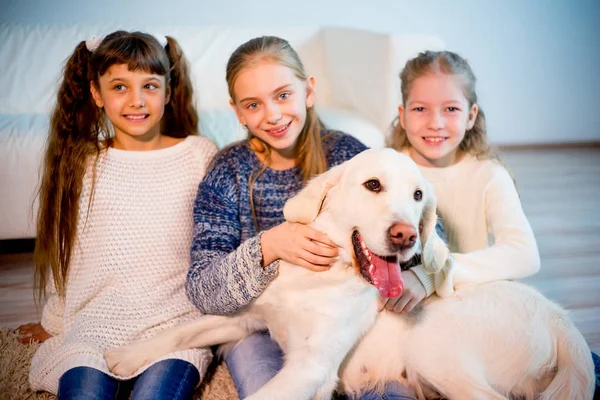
(136, 118)
(279, 131)
(434, 140)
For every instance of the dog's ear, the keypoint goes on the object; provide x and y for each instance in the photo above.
(306, 205)
(435, 251)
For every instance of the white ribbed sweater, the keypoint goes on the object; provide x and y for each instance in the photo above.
(488, 233)
(130, 260)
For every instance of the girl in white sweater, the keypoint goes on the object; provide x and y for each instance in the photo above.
(442, 128)
(121, 172)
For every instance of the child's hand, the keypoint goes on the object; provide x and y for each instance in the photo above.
(33, 332)
(414, 292)
(298, 244)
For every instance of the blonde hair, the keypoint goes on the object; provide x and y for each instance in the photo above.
(475, 141)
(78, 127)
(309, 152)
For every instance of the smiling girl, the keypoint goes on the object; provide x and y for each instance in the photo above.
(442, 128)
(121, 171)
(240, 232)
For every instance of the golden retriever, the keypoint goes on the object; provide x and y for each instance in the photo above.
(490, 341)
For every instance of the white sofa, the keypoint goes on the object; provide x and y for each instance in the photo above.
(356, 73)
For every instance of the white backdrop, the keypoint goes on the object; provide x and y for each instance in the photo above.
(537, 61)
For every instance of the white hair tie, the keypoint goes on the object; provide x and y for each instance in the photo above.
(93, 42)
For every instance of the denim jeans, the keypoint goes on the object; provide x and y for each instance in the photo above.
(254, 361)
(596, 360)
(167, 379)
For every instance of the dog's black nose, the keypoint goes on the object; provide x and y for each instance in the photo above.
(403, 234)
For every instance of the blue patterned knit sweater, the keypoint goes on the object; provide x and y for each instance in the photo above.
(226, 272)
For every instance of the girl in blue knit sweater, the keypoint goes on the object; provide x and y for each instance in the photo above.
(240, 232)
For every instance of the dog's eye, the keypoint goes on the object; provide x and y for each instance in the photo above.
(418, 195)
(373, 185)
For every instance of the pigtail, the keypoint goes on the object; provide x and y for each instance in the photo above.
(180, 118)
(73, 136)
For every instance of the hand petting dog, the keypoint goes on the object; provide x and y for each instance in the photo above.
(299, 244)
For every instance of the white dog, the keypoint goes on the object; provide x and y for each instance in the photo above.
(490, 341)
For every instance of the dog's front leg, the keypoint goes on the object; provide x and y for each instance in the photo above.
(311, 366)
(303, 377)
(208, 330)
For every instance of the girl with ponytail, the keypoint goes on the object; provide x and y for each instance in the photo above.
(121, 170)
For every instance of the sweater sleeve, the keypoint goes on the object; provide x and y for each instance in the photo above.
(52, 315)
(226, 274)
(427, 279)
(514, 254)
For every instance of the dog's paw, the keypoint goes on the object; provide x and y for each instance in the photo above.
(124, 361)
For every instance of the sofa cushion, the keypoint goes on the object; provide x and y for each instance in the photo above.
(22, 141)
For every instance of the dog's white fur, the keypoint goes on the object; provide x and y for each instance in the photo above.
(486, 342)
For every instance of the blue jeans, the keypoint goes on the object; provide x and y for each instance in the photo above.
(596, 360)
(258, 358)
(167, 379)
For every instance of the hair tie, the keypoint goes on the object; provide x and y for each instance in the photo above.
(93, 42)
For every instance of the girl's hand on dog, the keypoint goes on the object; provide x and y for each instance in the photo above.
(414, 292)
(298, 244)
(33, 332)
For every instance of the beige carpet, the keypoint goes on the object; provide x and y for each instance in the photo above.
(16, 357)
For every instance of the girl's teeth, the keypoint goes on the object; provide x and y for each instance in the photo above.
(434, 139)
(136, 116)
(279, 130)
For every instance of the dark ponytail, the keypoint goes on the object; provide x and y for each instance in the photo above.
(181, 118)
(75, 126)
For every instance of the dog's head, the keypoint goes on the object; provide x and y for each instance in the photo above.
(380, 209)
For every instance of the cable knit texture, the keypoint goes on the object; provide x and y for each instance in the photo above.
(488, 233)
(129, 263)
(226, 272)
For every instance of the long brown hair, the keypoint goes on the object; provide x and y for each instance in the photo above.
(475, 141)
(78, 130)
(310, 155)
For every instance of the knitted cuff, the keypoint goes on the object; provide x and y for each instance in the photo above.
(269, 270)
(426, 279)
(51, 322)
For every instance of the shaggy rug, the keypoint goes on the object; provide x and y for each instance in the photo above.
(16, 357)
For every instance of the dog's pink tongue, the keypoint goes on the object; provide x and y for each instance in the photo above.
(386, 277)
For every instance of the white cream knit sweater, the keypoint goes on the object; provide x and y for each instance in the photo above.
(488, 233)
(130, 260)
